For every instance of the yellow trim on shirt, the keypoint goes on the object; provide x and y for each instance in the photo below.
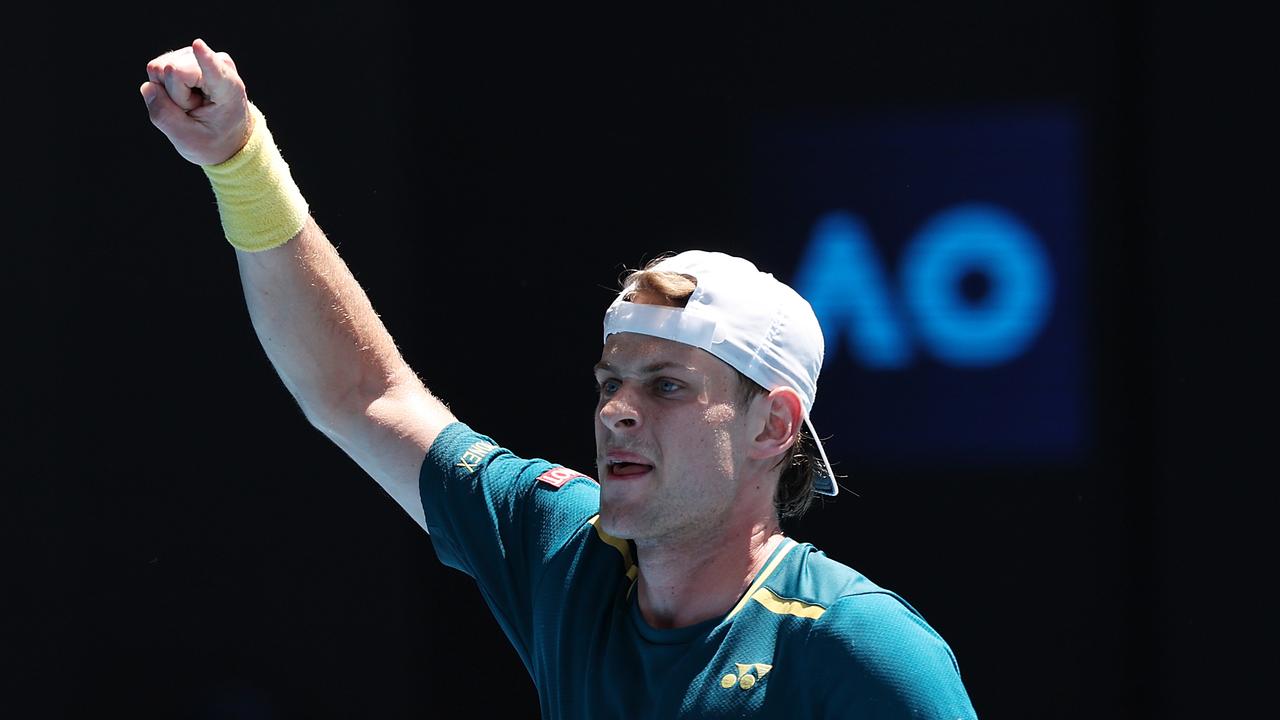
(787, 544)
(786, 606)
(618, 544)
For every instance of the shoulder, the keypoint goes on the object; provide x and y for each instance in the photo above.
(819, 579)
(462, 455)
(873, 647)
(472, 485)
(879, 630)
(860, 619)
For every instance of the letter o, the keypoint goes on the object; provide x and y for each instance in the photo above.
(989, 239)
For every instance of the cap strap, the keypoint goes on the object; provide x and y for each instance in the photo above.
(830, 487)
(659, 320)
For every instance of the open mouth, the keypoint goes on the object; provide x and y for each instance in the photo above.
(624, 470)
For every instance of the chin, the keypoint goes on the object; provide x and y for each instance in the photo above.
(612, 520)
(616, 521)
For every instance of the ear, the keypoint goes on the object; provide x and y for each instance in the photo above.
(779, 416)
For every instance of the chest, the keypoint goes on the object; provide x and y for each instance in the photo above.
(594, 660)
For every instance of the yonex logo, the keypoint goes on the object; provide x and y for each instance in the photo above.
(472, 456)
(744, 679)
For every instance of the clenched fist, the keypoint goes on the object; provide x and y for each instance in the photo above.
(197, 99)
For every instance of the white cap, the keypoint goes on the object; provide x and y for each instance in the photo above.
(747, 318)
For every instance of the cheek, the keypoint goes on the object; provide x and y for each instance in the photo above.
(720, 420)
(718, 414)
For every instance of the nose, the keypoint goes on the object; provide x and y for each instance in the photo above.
(619, 411)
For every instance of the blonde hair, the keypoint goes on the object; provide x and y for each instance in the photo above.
(671, 289)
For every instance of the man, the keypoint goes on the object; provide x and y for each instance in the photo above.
(666, 590)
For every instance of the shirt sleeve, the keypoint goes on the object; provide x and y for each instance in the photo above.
(501, 519)
(880, 659)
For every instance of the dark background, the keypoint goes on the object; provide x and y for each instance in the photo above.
(179, 543)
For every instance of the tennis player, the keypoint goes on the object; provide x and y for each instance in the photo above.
(662, 587)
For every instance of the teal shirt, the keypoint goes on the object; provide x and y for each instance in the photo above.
(811, 637)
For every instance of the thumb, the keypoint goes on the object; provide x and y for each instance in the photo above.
(165, 113)
(148, 91)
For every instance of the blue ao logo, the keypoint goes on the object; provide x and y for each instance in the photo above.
(975, 289)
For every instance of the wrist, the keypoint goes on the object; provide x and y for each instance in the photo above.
(260, 205)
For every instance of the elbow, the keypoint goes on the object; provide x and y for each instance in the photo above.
(322, 417)
(336, 410)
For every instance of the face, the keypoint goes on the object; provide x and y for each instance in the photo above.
(670, 439)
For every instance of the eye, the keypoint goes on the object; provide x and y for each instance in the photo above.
(608, 386)
(667, 386)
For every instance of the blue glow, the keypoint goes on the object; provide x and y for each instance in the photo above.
(843, 280)
(952, 287)
(984, 239)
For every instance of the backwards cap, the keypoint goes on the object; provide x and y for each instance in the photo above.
(747, 318)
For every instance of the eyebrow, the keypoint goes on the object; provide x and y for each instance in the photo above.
(647, 369)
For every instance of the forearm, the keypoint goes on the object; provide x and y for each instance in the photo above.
(319, 329)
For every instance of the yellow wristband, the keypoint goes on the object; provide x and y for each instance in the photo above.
(260, 205)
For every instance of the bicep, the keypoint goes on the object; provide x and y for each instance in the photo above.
(389, 437)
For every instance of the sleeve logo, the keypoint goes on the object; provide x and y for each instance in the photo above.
(472, 456)
(557, 477)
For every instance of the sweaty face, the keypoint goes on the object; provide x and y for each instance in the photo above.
(670, 436)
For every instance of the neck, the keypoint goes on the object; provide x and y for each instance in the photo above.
(685, 583)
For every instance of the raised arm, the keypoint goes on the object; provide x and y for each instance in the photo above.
(313, 319)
